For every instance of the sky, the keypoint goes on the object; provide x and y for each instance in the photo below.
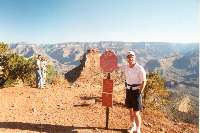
(58, 21)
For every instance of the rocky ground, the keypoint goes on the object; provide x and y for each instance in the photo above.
(75, 108)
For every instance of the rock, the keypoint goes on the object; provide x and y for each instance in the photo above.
(184, 105)
(33, 110)
(97, 130)
(74, 131)
(162, 130)
(148, 124)
(85, 102)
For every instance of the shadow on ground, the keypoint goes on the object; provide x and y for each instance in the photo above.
(48, 127)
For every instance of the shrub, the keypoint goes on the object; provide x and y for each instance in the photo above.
(15, 67)
(51, 73)
(3, 48)
(155, 92)
(19, 67)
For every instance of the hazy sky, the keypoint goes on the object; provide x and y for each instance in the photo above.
(56, 21)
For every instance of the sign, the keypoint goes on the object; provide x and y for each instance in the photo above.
(107, 92)
(107, 85)
(107, 99)
(108, 61)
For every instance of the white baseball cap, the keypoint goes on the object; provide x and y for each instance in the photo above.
(131, 53)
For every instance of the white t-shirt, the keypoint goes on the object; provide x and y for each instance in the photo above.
(38, 62)
(134, 75)
(43, 65)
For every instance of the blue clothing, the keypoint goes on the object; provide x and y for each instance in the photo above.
(39, 78)
(133, 99)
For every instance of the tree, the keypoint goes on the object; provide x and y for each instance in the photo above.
(19, 67)
(14, 67)
(155, 91)
(3, 48)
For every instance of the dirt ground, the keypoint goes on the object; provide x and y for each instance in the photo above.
(62, 109)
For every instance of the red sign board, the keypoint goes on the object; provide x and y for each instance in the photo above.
(108, 61)
(107, 85)
(107, 92)
(107, 99)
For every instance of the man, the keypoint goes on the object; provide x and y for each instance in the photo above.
(43, 71)
(39, 78)
(135, 76)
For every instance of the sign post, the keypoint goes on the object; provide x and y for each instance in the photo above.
(108, 62)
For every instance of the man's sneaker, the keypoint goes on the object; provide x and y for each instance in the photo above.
(132, 128)
(138, 131)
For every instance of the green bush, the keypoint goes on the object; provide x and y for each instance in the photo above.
(3, 48)
(51, 73)
(19, 68)
(15, 68)
(155, 92)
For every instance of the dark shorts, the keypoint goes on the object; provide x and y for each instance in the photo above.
(133, 99)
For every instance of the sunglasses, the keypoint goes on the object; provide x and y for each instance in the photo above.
(129, 56)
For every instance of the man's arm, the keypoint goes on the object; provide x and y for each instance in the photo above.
(142, 86)
(143, 79)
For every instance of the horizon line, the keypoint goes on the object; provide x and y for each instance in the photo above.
(26, 42)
